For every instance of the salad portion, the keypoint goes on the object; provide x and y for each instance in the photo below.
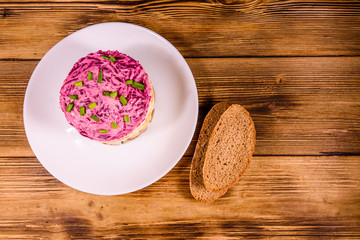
(107, 96)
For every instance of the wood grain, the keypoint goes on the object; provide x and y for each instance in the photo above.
(197, 28)
(278, 197)
(300, 106)
(295, 65)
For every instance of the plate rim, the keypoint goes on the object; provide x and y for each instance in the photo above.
(169, 167)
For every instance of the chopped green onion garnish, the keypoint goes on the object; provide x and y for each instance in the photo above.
(105, 57)
(138, 85)
(128, 82)
(69, 107)
(75, 97)
(106, 93)
(114, 125)
(112, 58)
(82, 111)
(92, 105)
(102, 130)
(123, 100)
(113, 94)
(126, 118)
(90, 76)
(78, 84)
(94, 117)
(100, 76)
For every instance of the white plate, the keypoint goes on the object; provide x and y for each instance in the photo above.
(91, 166)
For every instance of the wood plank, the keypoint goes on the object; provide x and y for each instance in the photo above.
(300, 106)
(278, 197)
(14, 77)
(305, 106)
(197, 29)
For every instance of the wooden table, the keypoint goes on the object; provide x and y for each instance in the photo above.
(294, 65)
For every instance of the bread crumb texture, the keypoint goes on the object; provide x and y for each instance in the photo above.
(229, 150)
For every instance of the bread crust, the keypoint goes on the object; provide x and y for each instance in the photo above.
(197, 187)
(240, 166)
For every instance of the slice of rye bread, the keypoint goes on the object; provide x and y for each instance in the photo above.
(197, 187)
(230, 149)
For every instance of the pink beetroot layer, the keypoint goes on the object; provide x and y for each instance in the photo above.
(108, 110)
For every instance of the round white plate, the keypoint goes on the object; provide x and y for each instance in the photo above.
(94, 167)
